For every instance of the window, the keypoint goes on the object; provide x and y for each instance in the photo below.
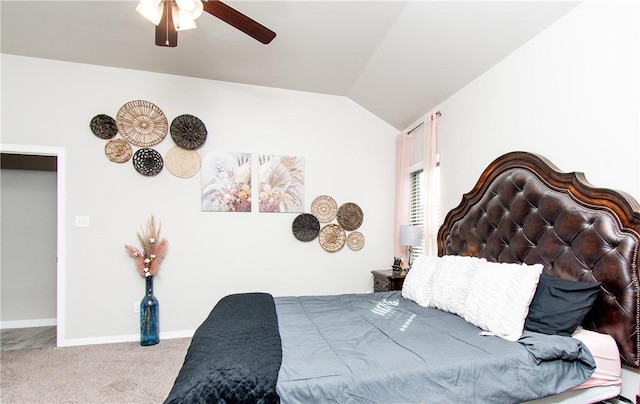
(418, 201)
(416, 206)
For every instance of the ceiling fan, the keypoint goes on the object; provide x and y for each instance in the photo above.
(171, 16)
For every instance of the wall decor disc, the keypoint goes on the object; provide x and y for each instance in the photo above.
(181, 162)
(118, 150)
(305, 227)
(324, 208)
(350, 216)
(147, 162)
(141, 123)
(332, 237)
(103, 126)
(355, 240)
(188, 132)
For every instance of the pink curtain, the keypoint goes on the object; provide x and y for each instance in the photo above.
(431, 191)
(404, 155)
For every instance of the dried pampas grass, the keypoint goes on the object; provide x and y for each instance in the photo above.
(153, 252)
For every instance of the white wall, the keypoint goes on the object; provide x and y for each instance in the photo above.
(28, 239)
(571, 94)
(349, 155)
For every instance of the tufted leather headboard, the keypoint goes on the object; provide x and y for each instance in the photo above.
(524, 210)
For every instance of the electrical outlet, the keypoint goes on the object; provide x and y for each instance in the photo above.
(83, 221)
(136, 307)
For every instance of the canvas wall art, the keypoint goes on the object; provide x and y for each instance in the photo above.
(281, 186)
(226, 182)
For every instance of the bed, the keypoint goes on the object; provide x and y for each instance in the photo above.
(479, 323)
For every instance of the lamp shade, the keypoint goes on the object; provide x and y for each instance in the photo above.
(411, 235)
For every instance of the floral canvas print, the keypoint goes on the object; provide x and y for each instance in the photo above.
(226, 182)
(281, 183)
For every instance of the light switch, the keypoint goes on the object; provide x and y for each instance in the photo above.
(82, 221)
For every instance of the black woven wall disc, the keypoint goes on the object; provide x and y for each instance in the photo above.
(305, 227)
(148, 162)
(188, 132)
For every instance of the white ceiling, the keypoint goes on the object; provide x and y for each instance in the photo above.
(398, 59)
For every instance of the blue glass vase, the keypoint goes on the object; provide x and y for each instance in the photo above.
(149, 327)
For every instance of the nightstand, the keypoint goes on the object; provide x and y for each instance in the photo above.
(387, 280)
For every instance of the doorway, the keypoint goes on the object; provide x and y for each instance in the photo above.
(40, 165)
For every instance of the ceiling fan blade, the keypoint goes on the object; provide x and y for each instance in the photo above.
(166, 34)
(235, 18)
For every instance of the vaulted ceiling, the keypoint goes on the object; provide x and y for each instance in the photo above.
(398, 59)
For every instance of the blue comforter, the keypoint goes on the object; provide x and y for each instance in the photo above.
(367, 348)
(382, 348)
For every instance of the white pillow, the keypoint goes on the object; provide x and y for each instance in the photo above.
(499, 298)
(451, 282)
(418, 283)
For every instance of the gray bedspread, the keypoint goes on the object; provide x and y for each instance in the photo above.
(387, 349)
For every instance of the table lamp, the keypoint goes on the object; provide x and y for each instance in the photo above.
(410, 236)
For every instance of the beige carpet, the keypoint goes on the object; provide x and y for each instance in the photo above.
(109, 373)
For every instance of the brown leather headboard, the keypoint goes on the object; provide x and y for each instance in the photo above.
(524, 210)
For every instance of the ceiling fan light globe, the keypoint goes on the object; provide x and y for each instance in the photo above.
(195, 11)
(151, 10)
(186, 5)
(182, 21)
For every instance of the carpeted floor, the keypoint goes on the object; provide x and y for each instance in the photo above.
(109, 373)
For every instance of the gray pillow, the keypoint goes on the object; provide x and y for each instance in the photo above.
(559, 305)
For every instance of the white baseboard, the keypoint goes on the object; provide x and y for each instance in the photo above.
(122, 338)
(40, 322)
(177, 334)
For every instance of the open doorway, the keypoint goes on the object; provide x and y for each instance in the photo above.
(31, 269)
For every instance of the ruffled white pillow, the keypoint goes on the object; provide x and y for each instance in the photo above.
(499, 297)
(418, 283)
(452, 281)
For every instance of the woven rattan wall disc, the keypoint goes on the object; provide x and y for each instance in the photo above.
(350, 216)
(355, 240)
(142, 123)
(118, 150)
(103, 126)
(148, 162)
(182, 163)
(305, 227)
(324, 208)
(188, 132)
(332, 237)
